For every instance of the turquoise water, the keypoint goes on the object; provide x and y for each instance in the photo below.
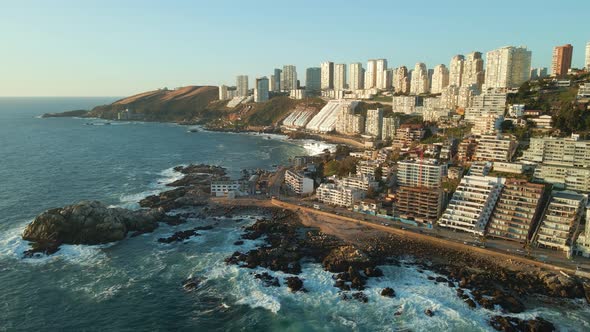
(136, 284)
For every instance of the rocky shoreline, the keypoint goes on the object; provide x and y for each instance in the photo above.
(478, 281)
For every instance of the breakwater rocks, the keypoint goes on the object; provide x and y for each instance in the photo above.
(87, 222)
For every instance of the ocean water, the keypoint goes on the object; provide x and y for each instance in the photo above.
(136, 284)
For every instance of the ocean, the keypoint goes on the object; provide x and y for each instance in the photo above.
(135, 284)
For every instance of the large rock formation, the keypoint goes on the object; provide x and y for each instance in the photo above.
(89, 222)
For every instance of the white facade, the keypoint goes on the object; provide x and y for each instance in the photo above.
(420, 80)
(559, 151)
(495, 148)
(456, 70)
(401, 81)
(508, 67)
(289, 78)
(224, 188)
(420, 173)
(299, 183)
(242, 85)
(374, 122)
(472, 204)
(371, 74)
(440, 79)
(362, 183)
(325, 120)
(340, 76)
(223, 95)
(330, 193)
(357, 76)
(473, 71)
(381, 76)
(587, 62)
(390, 125)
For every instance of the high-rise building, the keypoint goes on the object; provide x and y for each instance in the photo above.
(562, 60)
(456, 70)
(271, 83)
(508, 67)
(440, 79)
(261, 90)
(381, 75)
(340, 76)
(390, 125)
(473, 72)
(587, 62)
(374, 123)
(242, 85)
(289, 78)
(313, 79)
(223, 92)
(357, 76)
(278, 80)
(401, 81)
(419, 79)
(327, 69)
(371, 75)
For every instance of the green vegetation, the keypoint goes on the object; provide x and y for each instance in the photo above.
(340, 167)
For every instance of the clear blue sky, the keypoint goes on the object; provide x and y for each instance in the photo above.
(117, 48)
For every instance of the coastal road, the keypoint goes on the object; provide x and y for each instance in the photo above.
(457, 241)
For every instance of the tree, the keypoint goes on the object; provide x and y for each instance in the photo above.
(378, 173)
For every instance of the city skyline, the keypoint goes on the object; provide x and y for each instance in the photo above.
(109, 48)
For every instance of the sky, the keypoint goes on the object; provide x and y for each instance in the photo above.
(119, 48)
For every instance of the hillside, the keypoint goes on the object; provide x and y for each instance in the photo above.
(183, 104)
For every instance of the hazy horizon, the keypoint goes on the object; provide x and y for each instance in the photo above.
(120, 48)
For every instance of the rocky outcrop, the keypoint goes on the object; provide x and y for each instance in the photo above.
(509, 324)
(267, 279)
(342, 258)
(295, 284)
(388, 292)
(88, 222)
(184, 235)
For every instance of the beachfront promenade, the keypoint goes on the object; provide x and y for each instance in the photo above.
(503, 250)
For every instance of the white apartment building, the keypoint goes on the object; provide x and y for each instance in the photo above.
(357, 76)
(440, 79)
(261, 90)
(508, 67)
(390, 125)
(224, 188)
(298, 183)
(495, 148)
(561, 221)
(366, 168)
(340, 76)
(330, 193)
(242, 85)
(362, 183)
(325, 120)
(473, 72)
(289, 78)
(371, 74)
(472, 204)
(420, 173)
(349, 123)
(569, 151)
(583, 241)
(486, 124)
(587, 60)
(401, 81)
(420, 80)
(543, 122)
(481, 168)
(405, 104)
(374, 123)
(567, 177)
(456, 70)
(327, 75)
(223, 92)
(381, 76)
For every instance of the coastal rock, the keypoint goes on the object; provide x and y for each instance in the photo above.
(89, 222)
(343, 257)
(268, 280)
(295, 284)
(429, 312)
(360, 296)
(509, 324)
(388, 292)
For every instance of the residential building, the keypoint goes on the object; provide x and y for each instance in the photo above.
(340, 76)
(517, 211)
(272, 83)
(374, 123)
(561, 221)
(222, 188)
(408, 133)
(495, 148)
(566, 177)
(357, 76)
(278, 74)
(367, 206)
(426, 173)
(440, 79)
(406, 104)
(456, 70)
(367, 168)
(466, 149)
(538, 73)
(583, 241)
(562, 60)
(313, 79)
(358, 182)
(289, 78)
(298, 94)
(242, 85)
(298, 183)
(480, 168)
(569, 151)
(223, 93)
(325, 119)
(472, 204)
(381, 74)
(486, 124)
(349, 123)
(371, 75)
(261, 90)
(420, 204)
(327, 75)
(419, 80)
(543, 122)
(473, 71)
(587, 60)
(507, 67)
(333, 194)
(401, 80)
(390, 125)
